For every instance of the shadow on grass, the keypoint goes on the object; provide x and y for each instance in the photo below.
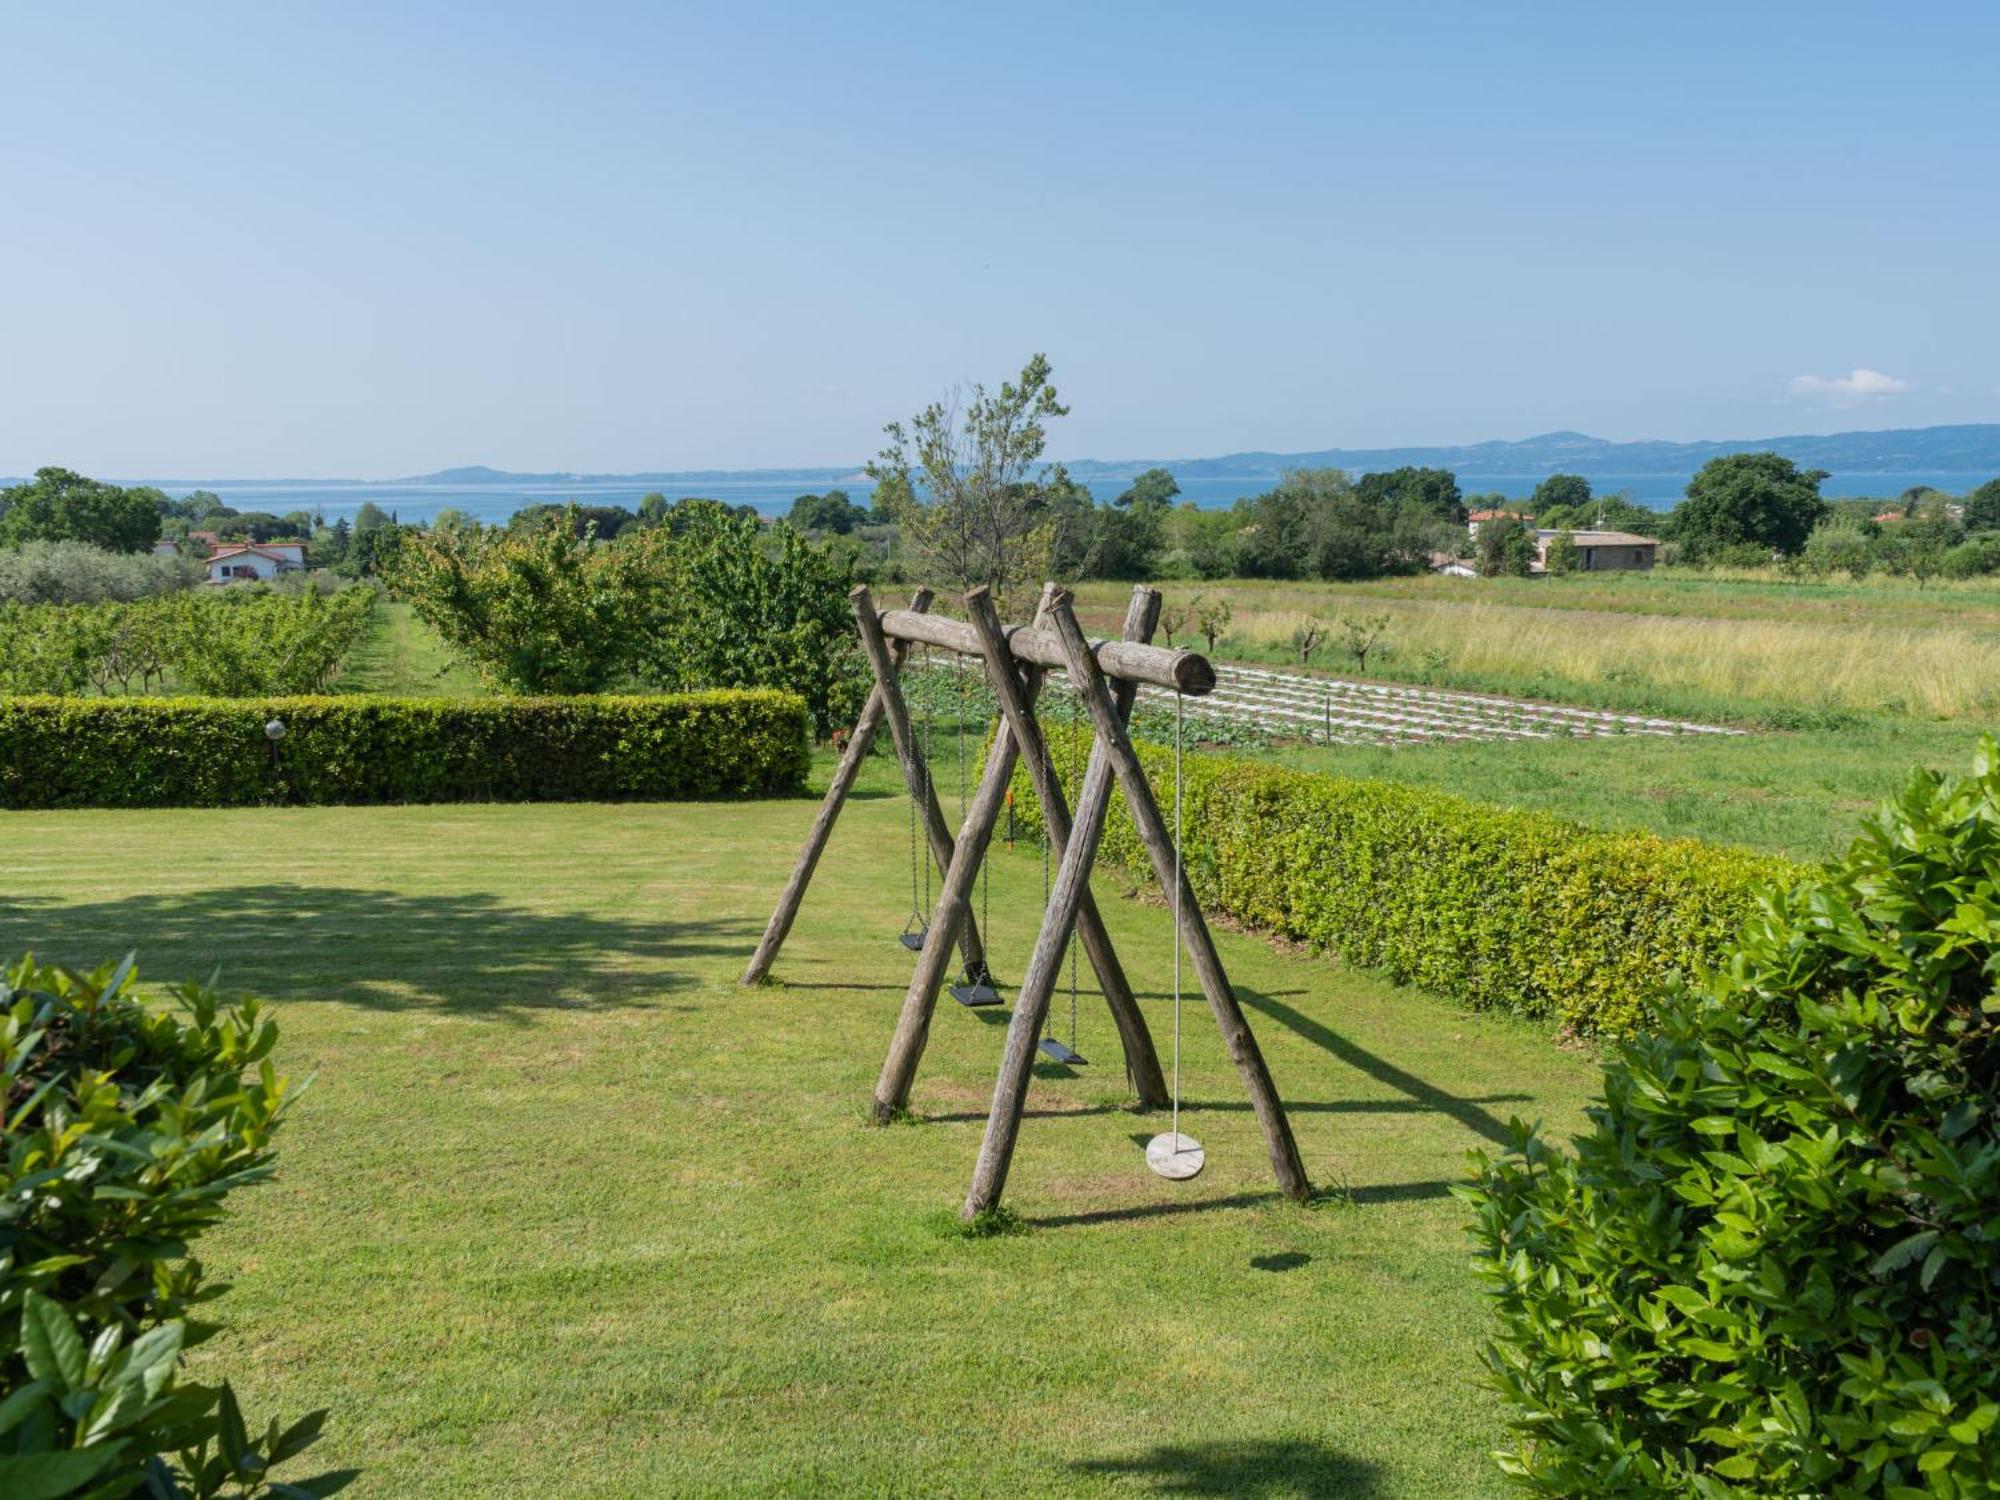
(1254, 1469)
(466, 953)
(1386, 1192)
(1238, 1106)
(1424, 1095)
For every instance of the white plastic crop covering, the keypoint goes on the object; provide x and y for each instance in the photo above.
(1337, 711)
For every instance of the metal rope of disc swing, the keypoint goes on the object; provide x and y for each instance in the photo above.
(977, 988)
(1174, 1156)
(1050, 1045)
(919, 923)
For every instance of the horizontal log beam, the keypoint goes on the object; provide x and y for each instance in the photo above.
(1187, 672)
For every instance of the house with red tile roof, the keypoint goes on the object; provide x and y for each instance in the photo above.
(240, 562)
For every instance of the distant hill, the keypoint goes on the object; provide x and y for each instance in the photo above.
(1969, 448)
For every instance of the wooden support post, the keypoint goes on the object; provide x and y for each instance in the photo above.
(1142, 1062)
(1031, 1001)
(913, 1023)
(915, 772)
(844, 775)
(1236, 1034)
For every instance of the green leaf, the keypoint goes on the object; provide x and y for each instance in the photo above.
(19, 1403)
(47, 1476)
(1933, 1263)
(50, 1344)
(1905, 1250)
(1709, 1349)
(229, 1432)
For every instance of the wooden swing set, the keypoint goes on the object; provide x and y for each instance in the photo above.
(1105, 676)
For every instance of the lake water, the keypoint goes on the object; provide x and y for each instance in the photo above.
(496, 502)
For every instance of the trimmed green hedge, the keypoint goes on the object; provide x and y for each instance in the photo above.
(1516, 911)
(212, 752)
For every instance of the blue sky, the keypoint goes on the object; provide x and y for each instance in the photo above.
(365, 240)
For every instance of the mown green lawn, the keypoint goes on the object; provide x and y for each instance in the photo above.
(568, 1213)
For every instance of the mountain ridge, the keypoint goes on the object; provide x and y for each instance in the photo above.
(1966, 447)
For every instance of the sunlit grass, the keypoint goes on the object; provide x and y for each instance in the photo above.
(569, 1213)
(1688, 644)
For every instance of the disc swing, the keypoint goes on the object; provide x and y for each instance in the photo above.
(1051, 1046)
(976, 988)
(1174, 1156)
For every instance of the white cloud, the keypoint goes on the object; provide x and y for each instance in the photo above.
(1857, 385)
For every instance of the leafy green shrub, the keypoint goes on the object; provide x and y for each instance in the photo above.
(705, 599)
(1772, 1266)
(126, 1126)
(78, 573)
(212, 752)
(1517, 911)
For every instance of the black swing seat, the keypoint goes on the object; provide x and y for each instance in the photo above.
(1056, 1051)
(914, 941)
(976, 990)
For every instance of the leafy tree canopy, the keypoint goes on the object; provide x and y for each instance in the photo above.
(1153, 490)
(58, 505)
(1982, 507)
(1506, 548)
(832, 511)
(1433, 491)
(1749, 499)
(1605, 513)
(1559, 489)
(1315, 524)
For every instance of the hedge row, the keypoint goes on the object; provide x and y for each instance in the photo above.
(1516, 911)
(213, 752)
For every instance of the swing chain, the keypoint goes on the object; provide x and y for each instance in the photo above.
(924, 782)
(1179, 881)
(1075, 707)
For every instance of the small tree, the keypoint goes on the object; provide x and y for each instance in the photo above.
(1361, 634)
(535, 610)
(1174, 617)
(1307, 637)
(1506, 548)
(961, 480)
(1917, 548)
(1841, 546)
(1564, 556)
(1211, 618)
(1982, 507)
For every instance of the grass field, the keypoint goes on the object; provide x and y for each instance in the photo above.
(399, 654)
(1688, 646)
(568, 1213)
(1846, 686)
